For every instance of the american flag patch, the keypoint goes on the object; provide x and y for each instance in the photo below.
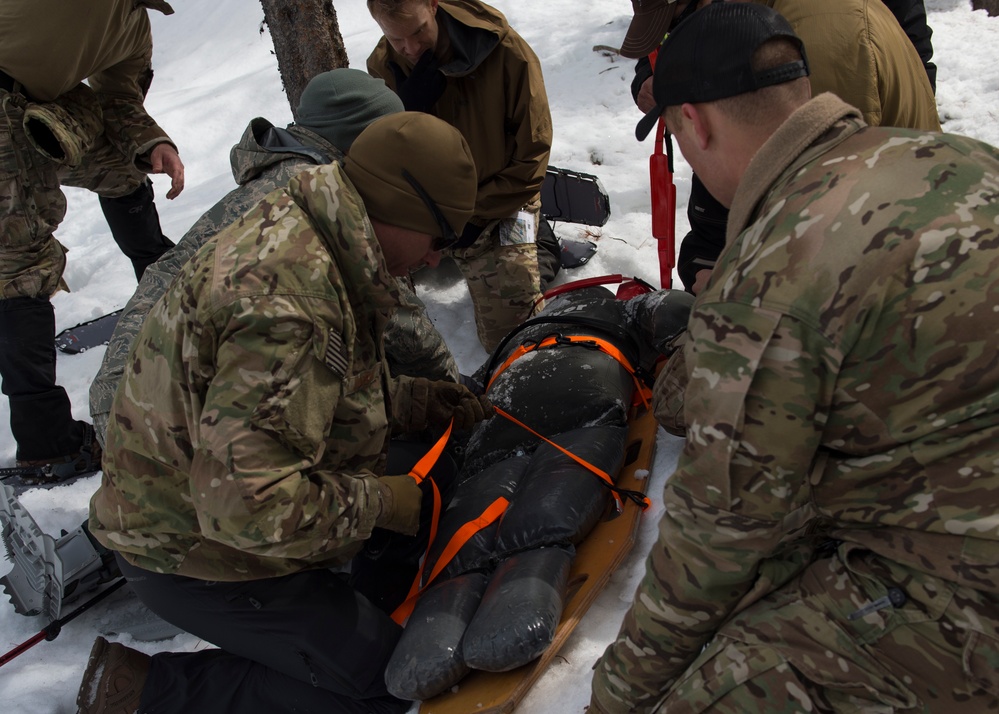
(336, 357)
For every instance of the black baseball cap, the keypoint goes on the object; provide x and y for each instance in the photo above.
(709, 57)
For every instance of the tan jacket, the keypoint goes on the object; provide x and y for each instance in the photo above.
(857, 50)
(495, 96)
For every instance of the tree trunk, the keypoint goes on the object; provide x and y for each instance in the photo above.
(990, 6)
(307, 42)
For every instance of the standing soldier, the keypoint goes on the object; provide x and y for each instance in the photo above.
(830, 541)
(55, 130)
(461, 61)
(856, 50)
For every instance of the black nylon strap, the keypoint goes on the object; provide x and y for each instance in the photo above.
(6, 81)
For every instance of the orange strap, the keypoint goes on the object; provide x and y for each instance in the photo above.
(635, 496)
(642, 393)
(419, 473)
(461, 536)
(426, 463)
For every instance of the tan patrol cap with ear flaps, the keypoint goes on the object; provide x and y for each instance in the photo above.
(433, 152)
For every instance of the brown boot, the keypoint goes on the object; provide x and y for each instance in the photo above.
(113, 680)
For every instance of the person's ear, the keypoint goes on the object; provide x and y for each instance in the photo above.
(698, 121)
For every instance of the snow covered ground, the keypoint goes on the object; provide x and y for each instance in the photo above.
(215, 71)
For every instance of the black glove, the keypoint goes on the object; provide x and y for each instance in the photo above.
(448, 400)
(424, 85)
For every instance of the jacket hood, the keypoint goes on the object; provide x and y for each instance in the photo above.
(474, 29)
(337, 214)
(263, 145)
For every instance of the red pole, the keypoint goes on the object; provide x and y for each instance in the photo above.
(663, 199)
(23, 647)
(52, 630)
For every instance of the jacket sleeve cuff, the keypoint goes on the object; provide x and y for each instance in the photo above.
(141, 159)
(409, 396)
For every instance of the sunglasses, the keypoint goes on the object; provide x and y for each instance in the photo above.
(447, 236)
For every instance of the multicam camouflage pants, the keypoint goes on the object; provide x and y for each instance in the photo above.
(798, 650)
(501, 270)
(32, 204)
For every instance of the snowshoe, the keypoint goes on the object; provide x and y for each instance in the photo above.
(48, 572)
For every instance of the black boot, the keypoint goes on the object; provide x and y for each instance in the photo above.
(41, 419)
(135, 227)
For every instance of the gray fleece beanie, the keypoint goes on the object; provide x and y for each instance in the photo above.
(339, 104)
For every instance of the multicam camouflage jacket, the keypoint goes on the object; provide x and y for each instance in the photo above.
(265, 158)
(843, 387)
(253, 416)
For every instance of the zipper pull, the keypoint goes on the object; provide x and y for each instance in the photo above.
(895, 598)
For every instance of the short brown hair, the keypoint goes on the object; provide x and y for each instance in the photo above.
(757, 107)
(391, 8)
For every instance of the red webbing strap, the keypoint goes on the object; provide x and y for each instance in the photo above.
(636, 497)
(642, 392)
(583, 283)
(420, 472)
(461, 536)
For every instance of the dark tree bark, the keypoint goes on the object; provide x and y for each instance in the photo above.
(990, 6)
(307, 42)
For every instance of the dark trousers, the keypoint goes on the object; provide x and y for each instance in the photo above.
(306, 642)
(700, 248)
(41, 418)
(135, 227)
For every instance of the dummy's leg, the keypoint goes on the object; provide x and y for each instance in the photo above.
(385, 570)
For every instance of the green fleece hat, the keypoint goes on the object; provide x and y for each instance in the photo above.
(433, 152)
(339, 104)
